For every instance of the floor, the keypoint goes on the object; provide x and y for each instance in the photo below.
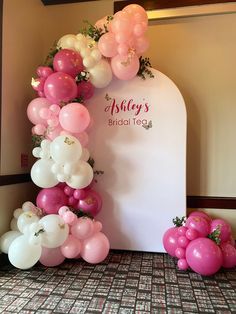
(126, 282)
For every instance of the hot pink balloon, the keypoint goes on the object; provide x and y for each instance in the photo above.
(199, 224)
(170, 240)
(82, 228)
(91, 203)
(38, 84)
(51, 199)
(229, 255)
(85, 89)
(60, 87)
(51, 257)
(107, 45)
(125, 67)
(34, 107)
(43, 71)
(74, 117)
(204, 256)
(71, 247)
(95, 249)
(180, 252)
(199, 213)
(68, 61)
(182, 264)
(224, 227)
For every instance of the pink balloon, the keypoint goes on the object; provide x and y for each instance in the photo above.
(51, 257)
(141, 44)
(180, 252)
(85, 89)
(102, 24)
(107, 45)
(68, 61)
(91, 204)
(52, 133)
(51, 199)
(43, 71)
(199, 213)
(139, 29)
(74, 117)
(38, 84)
(137, 12)
(97, 226)
(95, 249)
(182, 230)
(199, 224)
(191, 234)
(82, 228)
(34, 107)
(39, 129)
(125, 67)
(204, 256)
(79, 194)
(229, 255)
(183, 241)
(170, 240)
(60, 87)
(182, 264)
(68, 217)
(122, 49)
(82, 137)
(71, 247)
(224, 227)
(121, 23)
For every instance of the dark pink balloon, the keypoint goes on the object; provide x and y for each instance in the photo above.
(204, 256)
(199, 224)
(79, 194)
(85, 90)
(44, 71)
(68, 61)
(200, 214)
(51, 199)
(170, 240)
(224, 227)
(38, 84)
(60, 87)
(183, 241)
(91, 203)
(229, 255)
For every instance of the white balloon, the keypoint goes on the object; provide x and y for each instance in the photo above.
(17, 212)
(65, 148)
(42, 175)
(7, 239)
(89, 62)
(96, 54)
(82, 177)
(85, 52)
(79, 45)
(67, 41)
(56, 231)
(101, 74)
(62, 177)
(80, 37)
(36, 152)
(13, 224)
(70, 168)
(25, 219)
(85, 154)
(22, 254)
(27, 206)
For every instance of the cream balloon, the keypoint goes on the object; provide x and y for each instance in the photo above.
(25, 220)
(7, 239)
(82, 177)
(42, 175)
(101, 74)
(13, 224)
(67, 41)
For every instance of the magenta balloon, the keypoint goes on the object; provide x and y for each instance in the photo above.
(91, 203)
(74, 117)
(51, 257)
(44, 71)
(182, 264)
(204, 256)
(224, 227)
(170, 240)
(183, 241)
(85, 90)
(107, 45)
(95, 249)
(180, 252)
(201, 214)
(68, 61)
(199, 224)
(125, 67)
(34, 108)
(51, 199)
(229, 255)
(60, 87)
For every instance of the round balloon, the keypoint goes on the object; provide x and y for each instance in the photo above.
(51, 257)
(34, 108)
(42, 175)
(7, 239)
(68, 61)
(50, 200)
(125, 67)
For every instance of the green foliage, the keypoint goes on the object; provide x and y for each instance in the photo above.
(178, 222)
(37, 139)
(92, 31)
(144, 71)
(215, 236)
(49, 59)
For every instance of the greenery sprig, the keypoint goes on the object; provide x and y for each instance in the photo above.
(215, 236)
(92, 31)
(37, 139)
(144, 71)
(178, 222)
(49, 59)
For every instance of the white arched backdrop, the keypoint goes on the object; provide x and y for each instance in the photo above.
(139, 140)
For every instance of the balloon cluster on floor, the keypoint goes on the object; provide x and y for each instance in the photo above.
(201, 243)
(62, 223)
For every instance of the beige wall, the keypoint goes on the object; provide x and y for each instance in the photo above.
(197, 53)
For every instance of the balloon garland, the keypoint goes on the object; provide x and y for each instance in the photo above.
(201, 243)
(62, 223)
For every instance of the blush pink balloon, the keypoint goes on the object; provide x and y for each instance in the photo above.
(201, 214)
(51, 199)
(107, 45)
(125, 67)
(141, 44)
(204, 256)
(97, 226)
(224, 227)
(137, 12)
(52, 133)
(229, 255)
(82, 228)
(69, 217)
(170, 240)
(199, 224)
(91, 204)
(71, 247)
(74, 117)
(60, 87)
(95, 249)
(85, 89)
(82, 137)
(68, 61)
(51, 257)
(34, 107)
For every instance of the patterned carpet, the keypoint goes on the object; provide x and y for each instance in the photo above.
(126, 282)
